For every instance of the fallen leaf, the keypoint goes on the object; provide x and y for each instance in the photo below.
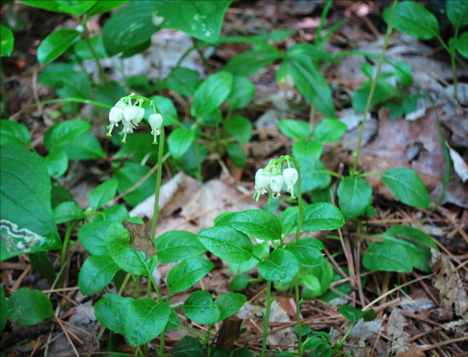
(140, 239)
(460, 166)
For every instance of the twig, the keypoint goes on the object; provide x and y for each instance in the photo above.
(66, 334)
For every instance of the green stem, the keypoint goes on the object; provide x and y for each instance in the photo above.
(374, 84)
(453, 54)
(197, 155)
(266, 318)
(66, 241)
(78, 100)
(158, 185)
(207, 340)
(325, 11)
(136, 279)
(162, 344)
(192, 332)
(101, 71)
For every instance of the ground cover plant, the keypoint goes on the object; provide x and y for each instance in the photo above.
(337, 247)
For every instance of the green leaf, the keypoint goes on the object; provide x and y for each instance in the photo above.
(129, 27)
(55, 44)
(111, 311)
(212, 119)
(312, 51)
(353, 315)
(12, 132)
(166, 107)
(227, 243)
(130, 174)
(199, 307)
(329, 130)
(64, 133)
(256, 223)
(312, 85)
(93, 236)
(105, 6)
(84, 147)
(7, 41)
(211, 93)
(281, 265)
(59, 195)
(387, 256)
(25, 206)
(113, 214)
(403, 73)
(179, 141)
(57, 163)
(457, 12)
(29, 307)
(239, 282)
(406, 185)
(355, 195)
(229, 304)
(313, 174)
(260, 250)
(174, 246)
(66, 81)
(41, 263)
(241, 94)
(103, 194)
(302, 150)
(187, 273)
(413, 19)
(323, 273)
(3, 310)
(294, 129)
(183, 81)
(382, 92)
(189, 346)
(68, 211)
(137, 148)
(82, 49)
(237, 155)
(322, 216)
(250, 62)
(67, 7)
(199, 19)
(461, 44)
(145, 320)
(240, 128)
(132, 261)
(96, 273)
(307, 251)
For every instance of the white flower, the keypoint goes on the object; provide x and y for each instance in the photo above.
(128, 127)
(120, 105)
(115, 115)
(140, 115)
(155, 121)
(276, 185)
(290, 178)
(262, 179)
(130, 113)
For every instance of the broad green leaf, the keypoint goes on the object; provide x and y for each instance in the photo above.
(68, 211)
(250, 62)
(324, 274)
(60, 194)
(280, 35)
(382, 92)
(413, 19)
(7, 41)
(240, 128)
(145, 320)
(40, 262)
(259, 250)
(3, 310)
(57, 163)
(66, 81)
(25, 207)
(29, 307)
(199, 307)
(179, 141)
(237, 155)
(84, 147)
(66, 7)
(64, 133)
(189, 346)
(329, 130)
(55, 44)
(312, 85)
(129, 27)
(353, 315)
(239, 282)
(212, 119)
(109, 93)
(312, 283)
(387, 256)
(166, 107)
(256, 223)
(199, 19)
(211, 93)
(132, 261)
(105, 6)
(403, 73)
(227, 243)
(281, 265)
(183, 81)
(12, 132)
(111, 311)
(289, 218)
(313, 174)
(302, 150)
(355, 195)
(408, 187)
(173, 322)
(103, 194)
(82, 49)
(174, 246)
(457, 12)
(93, 236)
(137, 148)
(307, 251)
(461, 44)
(128, 176)
(187, 273)
(314, 52)
(113, 214)
(322, 216)
(229, 304)
(96, 273)
(242, 93)
(294, 129)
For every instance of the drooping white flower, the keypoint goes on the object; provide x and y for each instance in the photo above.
(130, 113)
(155, 121)
(262, 179)
(140, 115)
(116, 115)
(276, 185)
(120, 105)
(290, 176)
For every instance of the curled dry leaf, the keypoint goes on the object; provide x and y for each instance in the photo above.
(140, 239)
(460, 166)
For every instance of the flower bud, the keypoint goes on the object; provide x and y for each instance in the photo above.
(130, 113)
(140, 115)
(276, 185)
(290, 176)
(115, 115)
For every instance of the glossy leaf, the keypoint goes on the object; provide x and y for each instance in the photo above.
(68, 211)
(57, 163)
(12, 132)
(240, 128)
(111, 311)
(237, 155)
(457, 12)
(281, 265)
(408, 187)
(183, 81)
(7, 41)
(66, 81)
(40, 262)
(55, 44)
(199, 307)
(313, 174)
(303, 150)
(242, 93)
(322, 216)
(187, 273)
(211, 93)
(461, 44)
(82, 49)
(174, 246)
(329, 130)
(29, 307)
(353, 315)
(229, 304)
(96, 273)
(387, 256)
(294, 129)
(105, 6)
(239, 282)
(307, 251)
(355, 195)
(103, 194)
(93, 236)
(179, 141)
(259, 250)
(250, 62)
(130, 174)
(66, 7)
(64, 133)
(166, 107)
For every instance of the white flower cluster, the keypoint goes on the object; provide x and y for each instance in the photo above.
(266, 180)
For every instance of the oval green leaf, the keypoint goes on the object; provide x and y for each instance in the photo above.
(174, 246)
(55, 44)
(96, 273)
(281, 265)
(187, 273)
(408, 187)
(29, 307)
